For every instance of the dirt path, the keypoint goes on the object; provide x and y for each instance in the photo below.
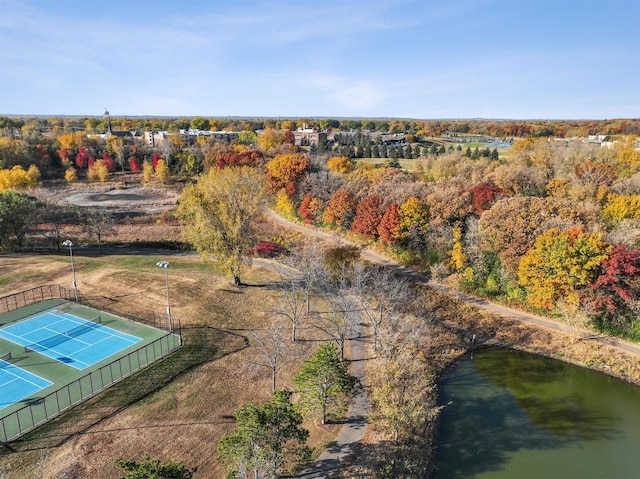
(377, 258)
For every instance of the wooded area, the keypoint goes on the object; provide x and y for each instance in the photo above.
(545, 225)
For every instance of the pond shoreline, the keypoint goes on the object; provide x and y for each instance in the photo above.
(515, 411)
(494, 331)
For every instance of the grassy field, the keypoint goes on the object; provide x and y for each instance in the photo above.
(178, 408)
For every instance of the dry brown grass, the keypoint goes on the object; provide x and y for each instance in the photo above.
(185, 419)
(450, 326)
(492, 329)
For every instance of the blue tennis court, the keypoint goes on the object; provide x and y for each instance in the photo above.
(69, 339)
(17, 384)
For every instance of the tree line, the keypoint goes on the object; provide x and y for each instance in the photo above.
(498, 128)
(546, 228)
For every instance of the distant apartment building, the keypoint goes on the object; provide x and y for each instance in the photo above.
(153, 138)
(308, 137)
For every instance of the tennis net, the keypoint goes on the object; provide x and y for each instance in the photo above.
(5, 356)
(62, 337)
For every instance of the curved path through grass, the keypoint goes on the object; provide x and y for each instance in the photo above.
(377, 258)
(348, 438)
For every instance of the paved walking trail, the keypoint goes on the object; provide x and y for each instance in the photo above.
(377, 258)
(356, 422)
(352, 432)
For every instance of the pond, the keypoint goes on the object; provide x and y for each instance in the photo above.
(516, 415)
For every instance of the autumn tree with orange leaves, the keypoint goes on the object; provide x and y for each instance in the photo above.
(284, 170)
(340, 209)
(389, 227)
(368, 216)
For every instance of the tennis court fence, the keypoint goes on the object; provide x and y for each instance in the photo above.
(17, 423)
(40, 293)
(34, 295)
(155, 320)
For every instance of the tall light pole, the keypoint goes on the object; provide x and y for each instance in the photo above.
(165, 265)
(69, 243)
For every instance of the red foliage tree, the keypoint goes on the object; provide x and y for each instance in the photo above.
(135, 166)
(64, 154)
(289, 137)
(304, 210)
(90, 161)
(108, 162)
(368, 216)
(82, 158)
(246, 158)
(267, 249)
(311, 208)
(618, 282)
(154, 160)
(484, 194)
(390, 224)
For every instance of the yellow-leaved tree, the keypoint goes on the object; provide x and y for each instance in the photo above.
(270, 139)
(414, 218)
(559, 265)
(620, 207)
(628, 156)
(162, 171)
(457, 258)
(98, 171)
(400, 392)
(218, 216)
(70, 175)
(18, 178)
(284, 204)
(339, 164)
(147, 171)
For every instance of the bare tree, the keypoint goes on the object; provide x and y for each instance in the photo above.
(310, 270)
(379, 294)
(97, 224)
(274, 353)
(402, 332)
(56, 218)
(337, 321)
(291, 302)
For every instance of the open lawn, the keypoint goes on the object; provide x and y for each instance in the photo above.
(178, 408)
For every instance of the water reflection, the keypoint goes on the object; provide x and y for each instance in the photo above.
(509, 411)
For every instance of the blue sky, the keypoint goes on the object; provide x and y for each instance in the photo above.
(516, 59)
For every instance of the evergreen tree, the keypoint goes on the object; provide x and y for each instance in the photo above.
(268, 440)
(152, 469)
(325, 384)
